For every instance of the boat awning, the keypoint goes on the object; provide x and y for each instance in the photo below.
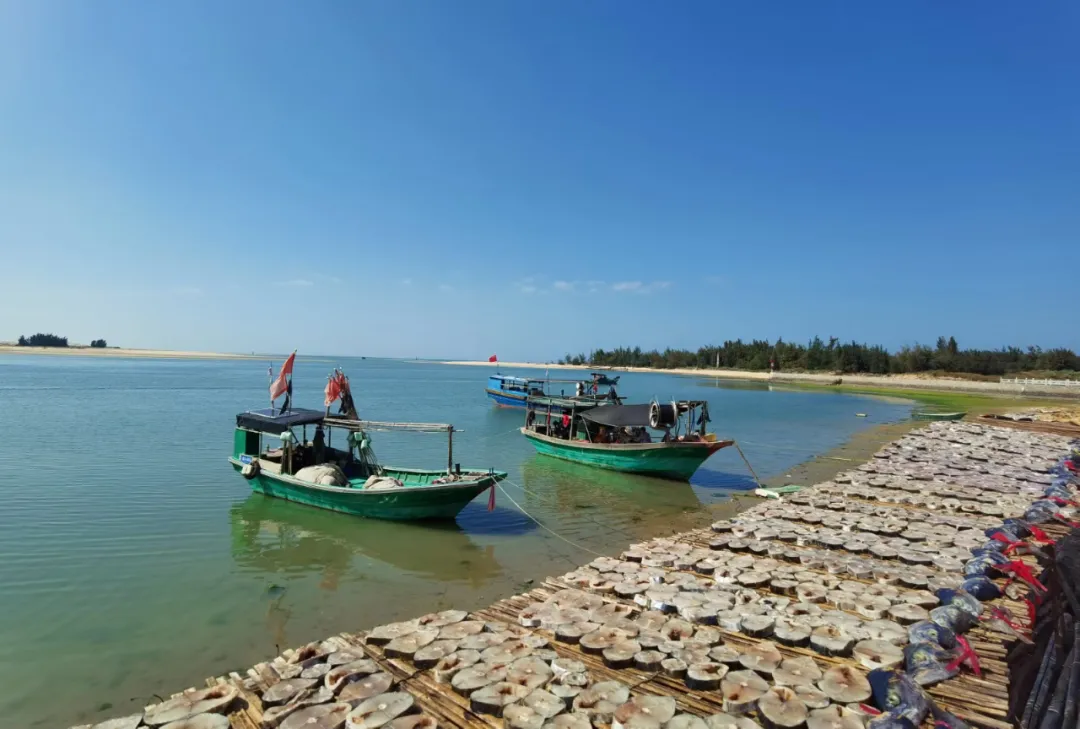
(628, 416)
(275, 421)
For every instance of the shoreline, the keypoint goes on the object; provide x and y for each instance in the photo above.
(854, 383)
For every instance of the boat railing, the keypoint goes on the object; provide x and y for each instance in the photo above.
(376, 425)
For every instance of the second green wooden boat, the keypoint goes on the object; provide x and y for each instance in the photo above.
(615, 437)
(928, 415)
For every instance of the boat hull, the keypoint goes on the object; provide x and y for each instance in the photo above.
(937, 416)
(507, 400)
(404, 504)
(673, 461)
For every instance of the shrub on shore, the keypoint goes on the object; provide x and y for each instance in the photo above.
(43, 340)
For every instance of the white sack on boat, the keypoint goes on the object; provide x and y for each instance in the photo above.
(378, 483)
(327, 474)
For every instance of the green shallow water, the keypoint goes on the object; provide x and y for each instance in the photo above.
(135, 562)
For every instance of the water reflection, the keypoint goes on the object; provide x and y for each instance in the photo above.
(576, 486)
(272, 535)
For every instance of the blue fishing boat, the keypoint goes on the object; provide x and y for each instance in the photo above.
(515, 392)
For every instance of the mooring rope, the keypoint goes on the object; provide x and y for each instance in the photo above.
(545, 528)
(752, 473)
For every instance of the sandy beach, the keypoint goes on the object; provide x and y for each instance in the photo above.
(120, 352)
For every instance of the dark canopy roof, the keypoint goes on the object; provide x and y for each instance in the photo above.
(275, 421)
(628, 416)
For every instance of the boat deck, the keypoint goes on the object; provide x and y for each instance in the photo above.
(993, 473)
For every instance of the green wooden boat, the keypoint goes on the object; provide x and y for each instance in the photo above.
(615, 436)
(929, 415)
(351, 480)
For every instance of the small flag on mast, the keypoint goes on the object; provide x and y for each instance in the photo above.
(281, 385)
(493, 358)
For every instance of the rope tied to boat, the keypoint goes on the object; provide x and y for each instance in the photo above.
(544, 527)
(743, 456)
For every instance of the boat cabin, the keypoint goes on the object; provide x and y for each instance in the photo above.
(284, 443)
(280, 442)
(594, 422)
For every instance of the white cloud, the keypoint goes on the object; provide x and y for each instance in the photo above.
(187, 290)
(406, 282)
(527, 289)
(297, 282)
(639, 287)
(446, 288)
(564, 285)
(716, 280)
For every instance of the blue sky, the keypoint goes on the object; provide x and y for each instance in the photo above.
(451, 179)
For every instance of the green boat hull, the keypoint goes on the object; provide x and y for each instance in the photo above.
(410, 503)
(937, 416)
(674, 461)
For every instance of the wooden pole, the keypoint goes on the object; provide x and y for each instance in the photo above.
(449, 449)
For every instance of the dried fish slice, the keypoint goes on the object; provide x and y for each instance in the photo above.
(649, 660)
(686, 721)
(572, 632)
(831, 640)
(600, 701)
(791, 632)
(813, 697)
(877, 654)
(845, 685)
(569, 721)
(797, 671)
(483, 641)
(356, 692)
(281, 692)
(674, 667)
(906, 614)
(532, 711)
(644, 712)
(705, 676)
(434, 652)
(727, 721)
(781, 708)
(506, 652)
(763, 657)
(206, 721)
(205, 701)
(415, 721)
(831, 717)
(530, 672)
(757, 626)
(872, 607)
(494, 698)
(477, 677)
(407, 645)
(379, 710)
(338, 676)
(449, 665)
(741, 691)
(810, 592)
(461, 630)
(386, 633)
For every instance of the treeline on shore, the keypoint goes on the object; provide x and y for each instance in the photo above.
(52, 340)
(834, 356)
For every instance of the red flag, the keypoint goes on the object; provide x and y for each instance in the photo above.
(333, 389)
(280, 385)
(493, 358)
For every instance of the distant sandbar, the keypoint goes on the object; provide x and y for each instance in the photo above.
(120, 352)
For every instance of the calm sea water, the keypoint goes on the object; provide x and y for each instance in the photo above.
(135, 562)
